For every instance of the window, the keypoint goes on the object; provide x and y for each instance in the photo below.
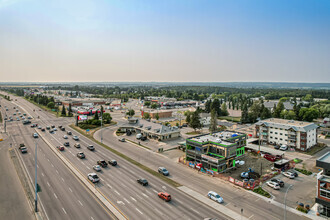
(271, 137)
(271, 132)
(286, 134)
(281, 129)
(302, 143)
(275, 138)
(281, 139)
(281, 133)
(325, 193)
(275, 132)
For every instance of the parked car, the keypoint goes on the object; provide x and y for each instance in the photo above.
(293, 172)
(138, 136)
(278, 181)
(113, 162)
(215, 196)
(277, 147)
(273, 185)
(67, 144)
(288, 174)
(102, 163)
(60, 126)
(97, 168)
(143, 182)
(143, 138)
(90, 147)
(53, 126)
(81, 155)
(69, 132)
(61, 148)
(121, 139)
(76, 145)
(76, 138)
(165, 196)
(39, 127)
(93, 177)
(54, 129)
(163, 171)
(284, 147)
(269, 157)
(51, 131)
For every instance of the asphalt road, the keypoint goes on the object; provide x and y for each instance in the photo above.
(119, 183)
(62, 196)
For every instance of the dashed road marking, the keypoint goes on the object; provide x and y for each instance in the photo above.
(82, 162)
(251, 216)
(80, 203)
(139, 211)
(149, 192)
(55, 195)
(133, 199)
(109, 186)
(126, 200)
(154, 191)
(88, 167)
(62, 179)
(92, 218)
(195, 210)
(145, 195)
(117, 192)
(42, 174)
(57, 172)
(48, 184)
(64, 210)
(70, 189)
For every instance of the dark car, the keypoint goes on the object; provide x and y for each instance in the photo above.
(293, 172)
(278, 181)
(143, 138)
(69, 132)
(66, 144)
(90, 147)
(42, 129)
(113, 162)
(60, 148)
(62, 128)
(102, 163)
(277, 147)
(53, 126)
(143, 182)
(48, 128)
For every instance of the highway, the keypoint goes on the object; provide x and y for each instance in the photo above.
(119, 184)
(62, 196)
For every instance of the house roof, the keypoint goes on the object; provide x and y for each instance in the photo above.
(151, 127)
(287, 124)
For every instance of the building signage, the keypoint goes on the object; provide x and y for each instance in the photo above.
(214, 160)
(82, 117)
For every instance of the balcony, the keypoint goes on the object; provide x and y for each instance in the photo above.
(292, 133)
(292, 138)
(193, 152)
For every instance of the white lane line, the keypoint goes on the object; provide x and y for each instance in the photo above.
(195, 210)
(154, 191)
(80, 203)
(48, 159)
(70, 189)
(52, 165)
(57, 171)
(123, 185)
(178, 200)
(92, 218)
(103, 179)
(82, 162)
(145, 195)
(227, 203)
(42, 174)
(127, 201)
(37, 165)
(122, 166)
(70, 151)
(117, 192)
(55, 195)
(139, 211)
(62, 179)
(64, 210)
(257, 199)
(133, 199)
(251, 216)
(88, 167)
(109, 186)
(48, 184)
(149, 192)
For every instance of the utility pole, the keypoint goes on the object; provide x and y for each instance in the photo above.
(285, 201)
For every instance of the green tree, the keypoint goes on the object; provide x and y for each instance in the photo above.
(245, 114)
(278, 110)
(63, 113)
(157, 116)
(154, 105)
(188, 116)
(130, 112)
(214, 121)
(70, 111)
(96, 116)
(107, 118)
(208, 106)
(224, 110)
(308, 114)
(216, 106)
(51, 105)
(195, 121)
(147, 103)
(265, 113)
(146, 115)
(254, 112)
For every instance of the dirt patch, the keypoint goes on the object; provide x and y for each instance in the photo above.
(259, 165)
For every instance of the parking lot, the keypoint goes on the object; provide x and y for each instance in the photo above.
(303, 190)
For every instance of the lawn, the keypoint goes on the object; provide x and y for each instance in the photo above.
(229, 118)
(317, 148)
(193, 133)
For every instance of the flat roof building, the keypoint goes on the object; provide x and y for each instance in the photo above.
(323, 185)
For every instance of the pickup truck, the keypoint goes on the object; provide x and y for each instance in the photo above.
(102, 163)
(22, 148)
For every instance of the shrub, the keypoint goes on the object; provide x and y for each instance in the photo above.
(302, 209)
(306, 172)
(262, 192)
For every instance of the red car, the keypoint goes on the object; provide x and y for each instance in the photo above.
(272, 158)
(164, 196)
(60, 148)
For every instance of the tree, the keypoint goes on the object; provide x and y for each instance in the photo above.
(208, 106)
(107, 118)
(147, 103)
(63, 113)
(265, 113)
(157, 116)
(70, 110)
(195, 121)
(254, 112)
(278, 110)
(154, 105)
(96, 116)
(308, 114)
(224, 110)
(188, 116)
(245, 114)
(216, 106)
(51, 105)
(146, 115)
(130, 112)
(214, 121)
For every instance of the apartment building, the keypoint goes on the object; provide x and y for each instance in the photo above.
(218, 151)
(295, 134)
(323, 185)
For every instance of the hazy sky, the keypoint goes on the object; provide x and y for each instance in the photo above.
(169, 40)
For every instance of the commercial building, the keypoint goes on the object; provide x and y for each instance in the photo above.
(323, 185)
(295, 134)
(83, 102)
(218, 151)
(161, 114)
(150, 129)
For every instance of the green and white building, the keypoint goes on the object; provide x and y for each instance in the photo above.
(217, 151)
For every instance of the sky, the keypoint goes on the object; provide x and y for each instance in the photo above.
(164, 40)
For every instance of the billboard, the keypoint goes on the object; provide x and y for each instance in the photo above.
(82, 117)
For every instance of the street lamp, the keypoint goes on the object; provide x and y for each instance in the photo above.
(36, 184)
(285, 201)
(101, 124)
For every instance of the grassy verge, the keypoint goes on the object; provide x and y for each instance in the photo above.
(306, 172)
(317, 148)
(43, 107)
(193, 133)
(92, 127)
(229, 118)
(140, 145)
(262, 192)
(152, 172)
(0, 118)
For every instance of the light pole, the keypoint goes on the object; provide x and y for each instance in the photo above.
(285, 201)
(101, 124)
(36, 183)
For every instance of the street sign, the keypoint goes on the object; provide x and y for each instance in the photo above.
(87, 130)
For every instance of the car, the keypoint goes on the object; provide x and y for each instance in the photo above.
(60, 148)
(293, 172)
(65, 137)
(76, 138)
(29, 117)
(69, 132)
(6, 118)
(17, 119)
(22, 148)
(184, 125)
(215, 196)
(53, 126)
(35, 135)
(39, 127)
(113, 162)
(54, 129)
(143, 181)
(278, 181)
(121, 139)
(143, 138)
(288, 174)
(51, 131)
(284, 147)
(62, 128)
(163, 171)
(90, 147)
(269, 157)
(81, 155)
(103, 163)
(97, 168)
(138, 136)
(277, 147)
(273, 185)
(24, 114)
(14, 114)
(67, 144)
(42, 129)
(76, 145)
(33, 125)
(165, 196)
(48, 128)
(93, 177)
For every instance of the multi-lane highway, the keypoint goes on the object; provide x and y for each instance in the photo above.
(118, 183)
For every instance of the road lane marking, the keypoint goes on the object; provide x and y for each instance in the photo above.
(257, 199)
(227, 203)
(123, 185)
(178, 200)
(70, 189)
(92, 218)
(48, 159)
(37, 165)
(109, 186)
(154, 191)
(42, 174)
(82, 162)
(164, 187)
(195, 210)
(52, 165)
(57, 171)
(48, 184)
(126, 200)
(88, 167)
(117, 192)
(133, 199)
(145, 195)
(64, 210)
(101, 179)
(251, 216)
(139, 211)
(149, 192)
(120, 202)
(80, 203)
(55, 195)
(62, 179)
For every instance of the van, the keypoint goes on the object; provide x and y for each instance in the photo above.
(284, 147)
(138, 136)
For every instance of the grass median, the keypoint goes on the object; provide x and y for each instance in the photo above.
(152, 172)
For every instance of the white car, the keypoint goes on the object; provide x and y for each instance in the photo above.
(75, 138)
(93, 177)
(97, 168)
(65, 137)
(215, 196)
(35, 135)
(273, 185)
(283, 147)
(54, 129)
(288, 174)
